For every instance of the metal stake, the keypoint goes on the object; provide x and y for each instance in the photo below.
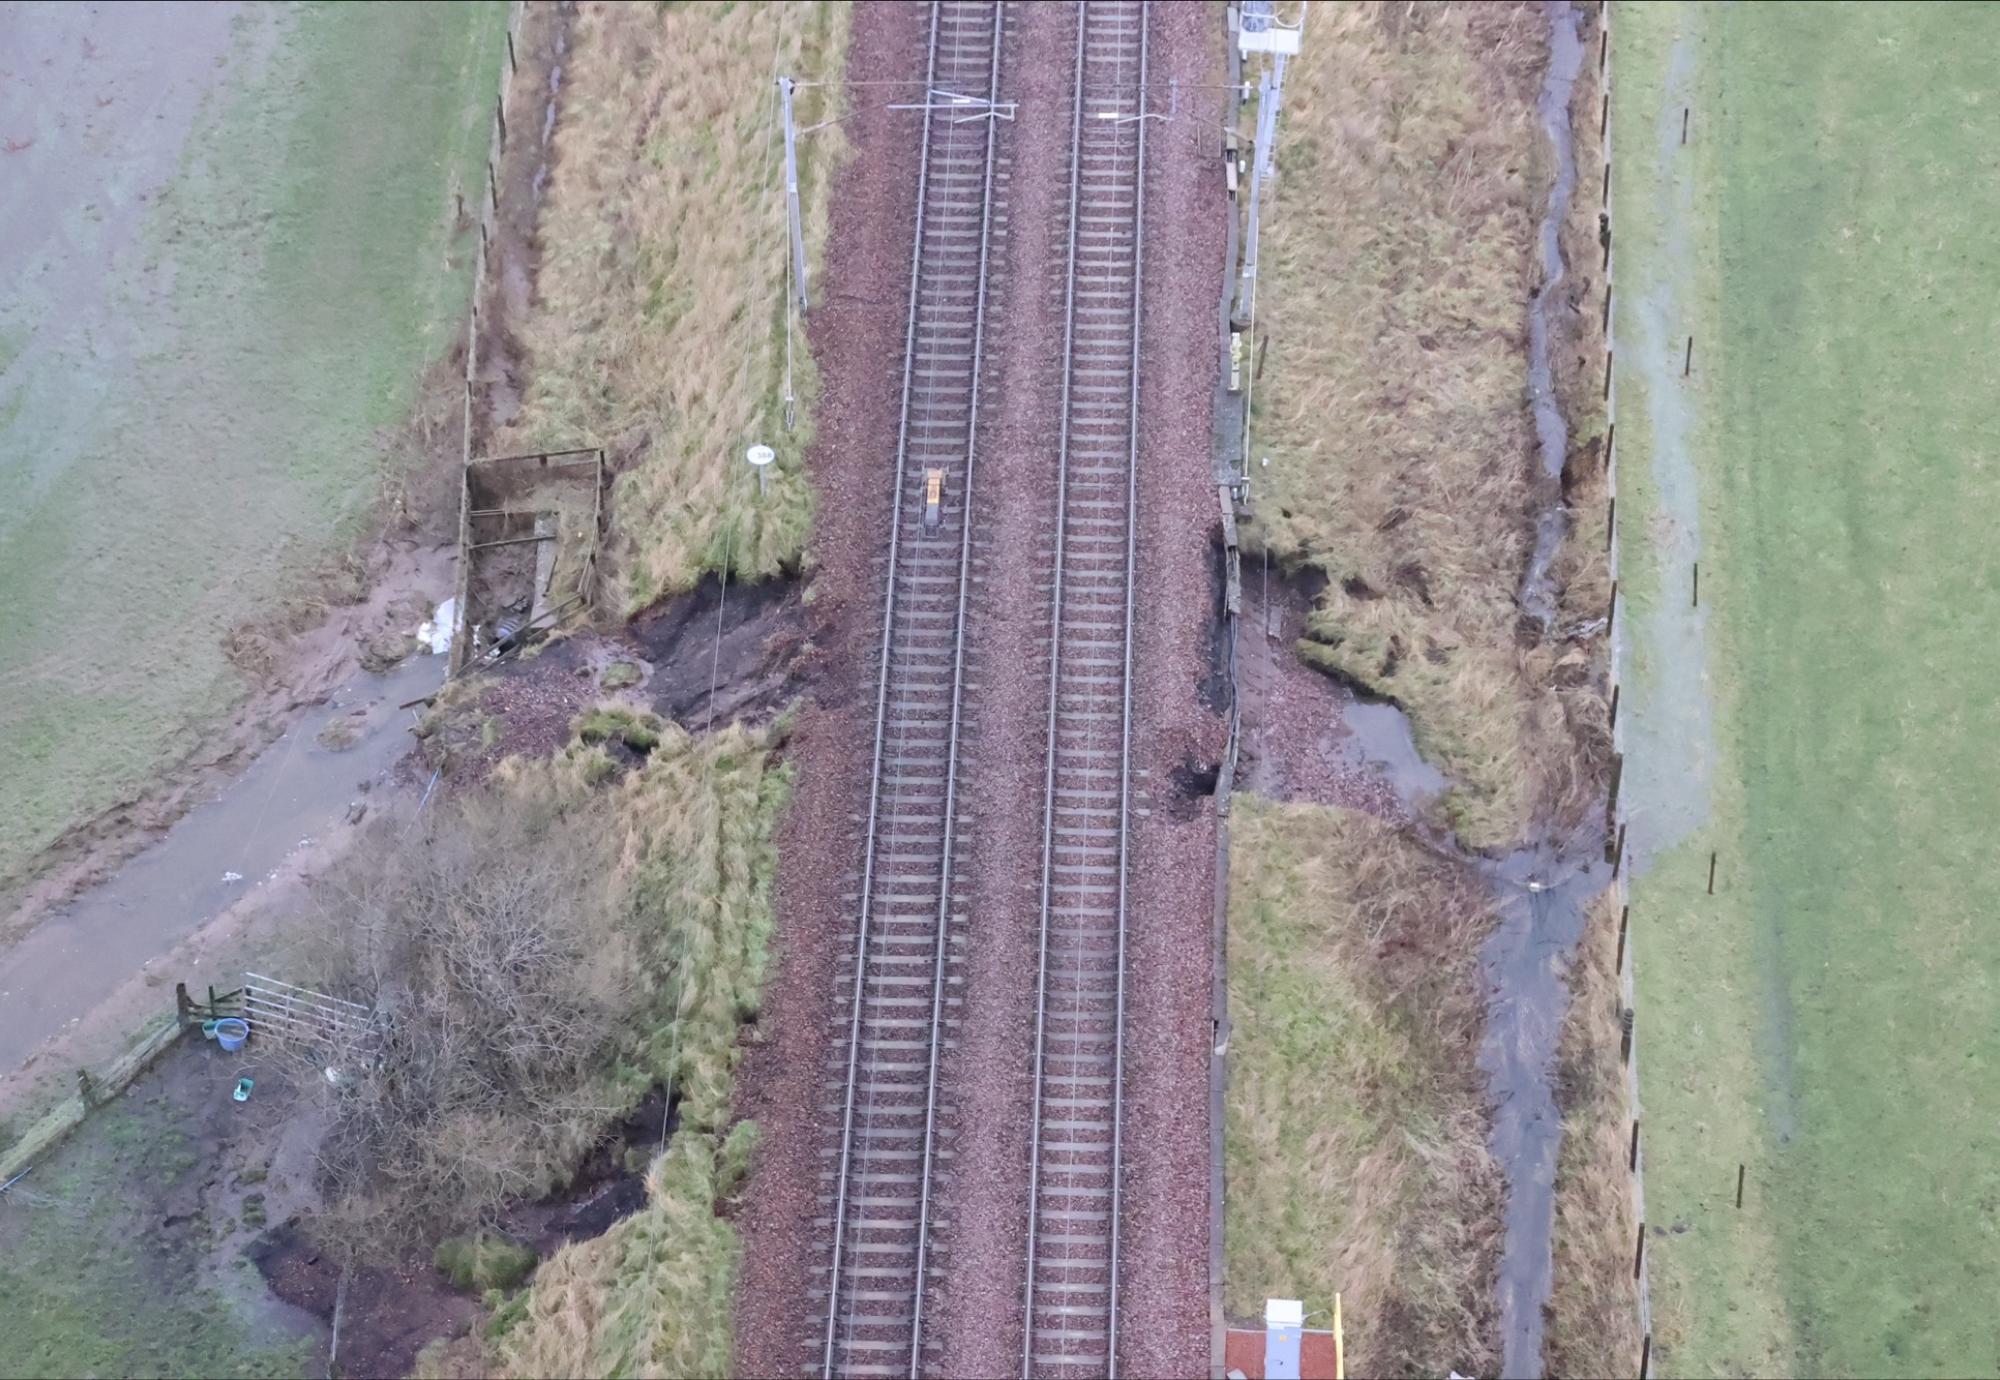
(785, 85)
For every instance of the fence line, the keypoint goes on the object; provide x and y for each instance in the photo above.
(1617, 816)
(489, 226)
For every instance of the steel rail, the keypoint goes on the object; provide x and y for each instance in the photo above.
(1125, 754)
(916, 350)
(881, 715)
(957, 693)
(1067, 1257)
(1055, 688)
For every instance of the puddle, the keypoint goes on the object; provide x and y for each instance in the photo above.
(1308, 733)
(1551, 430)
(219, 852)
(1542, 892)
(1379, 739)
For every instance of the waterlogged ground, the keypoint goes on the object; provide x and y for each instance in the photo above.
(122, 1253)
(230, 244)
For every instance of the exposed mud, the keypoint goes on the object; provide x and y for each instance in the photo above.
(160, 1194)
(703, 659)
(1306, 735)
(716, 654)
(392, 1310)
(404, 580)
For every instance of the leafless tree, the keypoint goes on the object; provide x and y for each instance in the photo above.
(487, 944)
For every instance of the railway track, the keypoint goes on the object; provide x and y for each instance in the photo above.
(891, 1122)
(1071, 1299)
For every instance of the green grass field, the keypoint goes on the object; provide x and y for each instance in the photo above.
(1828, 1018)
(216, 425)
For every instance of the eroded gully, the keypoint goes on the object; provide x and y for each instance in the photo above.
(1544, 889)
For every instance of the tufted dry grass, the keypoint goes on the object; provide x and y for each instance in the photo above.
(1398, 266)
(659, 327)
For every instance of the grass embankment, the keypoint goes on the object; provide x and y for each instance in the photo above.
(654, 1295)
(660, 327)
(1828, 1016)
(210, 430)
(1397, 265)
(660, 321)
(1356, 1146)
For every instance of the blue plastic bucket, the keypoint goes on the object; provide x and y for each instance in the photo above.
(231, 1033)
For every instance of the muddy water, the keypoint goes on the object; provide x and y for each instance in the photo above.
(1551, 430)
(1378, 738)
(216, 854)
(541, 180)
(1543, 891)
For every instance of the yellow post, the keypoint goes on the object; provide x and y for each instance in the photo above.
(1339, 1344)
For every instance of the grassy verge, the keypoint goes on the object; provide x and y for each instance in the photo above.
(1397, 265)
(1356, 1149)
(1827, 1017)
(654, 1294)
(1593, 1308)
(660, 321)
(219, 430)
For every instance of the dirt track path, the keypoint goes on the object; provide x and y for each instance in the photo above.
(286, 811)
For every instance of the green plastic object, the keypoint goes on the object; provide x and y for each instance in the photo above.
(208, 1030)
(243, 1087)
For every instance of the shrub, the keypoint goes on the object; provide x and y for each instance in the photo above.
(483, 1260)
